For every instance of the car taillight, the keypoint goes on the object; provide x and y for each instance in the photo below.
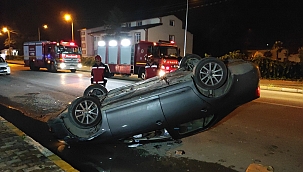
(258, 92)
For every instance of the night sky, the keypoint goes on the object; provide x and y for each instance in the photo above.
(218, 26)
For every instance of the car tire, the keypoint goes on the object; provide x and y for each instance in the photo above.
(85, 112)
(210, 73)
(190, 61)
(96, 90)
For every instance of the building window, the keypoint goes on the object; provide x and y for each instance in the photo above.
(128, 25)
(171, 37)
(83, 45)
(82, 33)
(83, 38)
(139, 23)
(137, 37)
(172, 22)
(83, 51)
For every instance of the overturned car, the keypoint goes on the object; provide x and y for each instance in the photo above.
(182, 103)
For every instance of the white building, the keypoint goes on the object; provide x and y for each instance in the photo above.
(168, 28)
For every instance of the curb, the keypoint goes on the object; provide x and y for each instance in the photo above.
(44, 151)
(272, 88)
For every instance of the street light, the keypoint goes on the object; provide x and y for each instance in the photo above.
(39, 33)
(9, 39)
(185, 32)
(69, 18)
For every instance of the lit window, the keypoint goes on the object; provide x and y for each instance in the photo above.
(137, 37)
(139, 23)
(171, 38)
(172, 22)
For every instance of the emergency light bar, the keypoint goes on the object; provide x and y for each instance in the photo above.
(67, 43)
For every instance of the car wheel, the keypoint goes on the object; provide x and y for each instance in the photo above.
(190, 61)
(210, 73)
(96, 90)
(85, 112)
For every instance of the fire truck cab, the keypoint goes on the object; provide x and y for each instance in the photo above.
(146, 59)
(52, 55)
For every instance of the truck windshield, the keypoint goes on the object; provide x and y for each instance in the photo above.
(68, 50)
(167, 52)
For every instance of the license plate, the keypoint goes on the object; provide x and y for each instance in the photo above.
(72, 68)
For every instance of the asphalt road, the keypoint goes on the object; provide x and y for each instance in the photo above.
(266, 131)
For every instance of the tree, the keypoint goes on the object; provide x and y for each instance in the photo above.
(268, 54)
(113, 23)
(234, 55)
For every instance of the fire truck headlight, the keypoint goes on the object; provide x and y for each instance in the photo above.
(125, 42)
(101, 43)
(161, 73)
(113, 43)
(62, 65)
(79, 65)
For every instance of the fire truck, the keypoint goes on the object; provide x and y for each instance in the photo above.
(52, 55)
(146, 59)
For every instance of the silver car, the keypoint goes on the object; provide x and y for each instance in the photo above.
(182, 103)
(4, 67)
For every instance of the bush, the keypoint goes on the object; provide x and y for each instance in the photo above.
(88, 61)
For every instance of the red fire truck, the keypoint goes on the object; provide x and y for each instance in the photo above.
(146, 59)
(52, 55)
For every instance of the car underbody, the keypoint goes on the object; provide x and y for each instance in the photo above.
(181, 103)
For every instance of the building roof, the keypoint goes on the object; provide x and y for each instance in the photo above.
(125, 29)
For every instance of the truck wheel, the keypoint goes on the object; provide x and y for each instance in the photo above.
(53, 68)
(33, 67)
(141, 73)
(143, 76)
(85, 112)
(97, 90)
(190, 61)
(73, 70)
(210, 73)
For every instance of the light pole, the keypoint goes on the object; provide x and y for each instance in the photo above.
(67, 18)
(39, 33)
(185, 32)
(9, 39)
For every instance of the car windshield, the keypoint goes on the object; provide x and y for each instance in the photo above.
(167, 51)
(68, 50)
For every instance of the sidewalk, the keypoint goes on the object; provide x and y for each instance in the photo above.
(19, 152)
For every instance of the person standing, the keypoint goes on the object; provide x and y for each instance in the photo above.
(98, 63)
